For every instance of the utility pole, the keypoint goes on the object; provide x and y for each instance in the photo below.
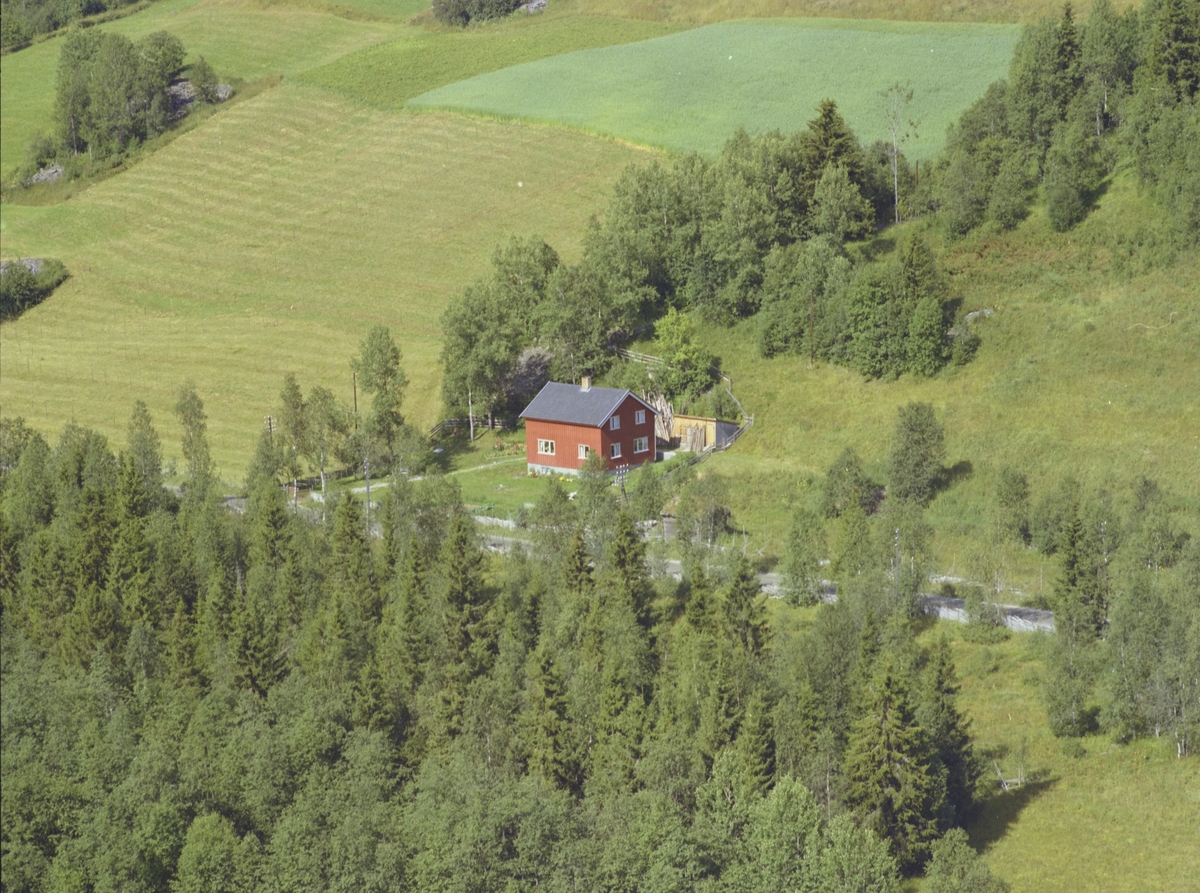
(354, 378)
(367, 474)
(271, 430)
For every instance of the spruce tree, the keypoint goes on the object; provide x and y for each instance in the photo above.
(702, 610)
(918, 451)
(721, 710)
(577, 572)
(745, 609)
(255, 639)
(461, 570)
(626, 558)
(890, 785)
(949, 733)
(350, 570)
(145, 449)
(547, 729)
(756, 745)
(129, 562)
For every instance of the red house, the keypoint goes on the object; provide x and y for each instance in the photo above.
(565, 422)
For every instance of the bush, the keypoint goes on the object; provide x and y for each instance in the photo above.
(204, 81)
(20, 288)
(463, 12)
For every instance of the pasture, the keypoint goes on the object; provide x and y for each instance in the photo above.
(242, 251)
(690, 91)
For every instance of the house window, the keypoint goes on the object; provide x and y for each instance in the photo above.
(639, 417)
(614, 423)
(615, 452)
(545, 447)
(641, 444)
(583, 451)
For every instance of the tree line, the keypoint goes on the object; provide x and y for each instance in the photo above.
(22, 21)
(1080, 103)
(200, 699)
(762, 230)
(26, 283)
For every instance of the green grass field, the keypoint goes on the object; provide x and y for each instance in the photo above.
(690, 91)
(1121, 818)
(388, 75)
(227, 33)
(239, 253)
(1082, 371)
(708, 11)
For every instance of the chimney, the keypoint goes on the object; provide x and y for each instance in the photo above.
(587, 383)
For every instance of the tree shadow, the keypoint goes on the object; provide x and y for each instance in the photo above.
(875, 248)
(951, 475)
(1000, 809)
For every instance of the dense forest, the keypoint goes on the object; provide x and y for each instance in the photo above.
(766, 230)
(199, 698)
(207, 693)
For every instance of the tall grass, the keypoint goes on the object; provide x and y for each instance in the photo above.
(692, 90)
(266, 242)
(1086, 369)
(1118, 818)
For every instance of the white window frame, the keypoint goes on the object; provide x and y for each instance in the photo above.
(614, 424)
(614, 451)
(584, 449)
(641, 444)
(545, 447)
(639, 417)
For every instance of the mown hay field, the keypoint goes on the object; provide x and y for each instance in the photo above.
(387, 76)
(241, 40)
(690, 91)
(708, 11)
(267, 242)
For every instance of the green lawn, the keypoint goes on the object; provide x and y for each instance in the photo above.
(690, 91)
(266, 242)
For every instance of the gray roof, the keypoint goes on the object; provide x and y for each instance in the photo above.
(569, 403)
